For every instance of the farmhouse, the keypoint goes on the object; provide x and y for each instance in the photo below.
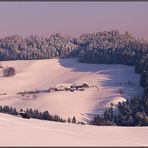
(63, 86)
(71, 87)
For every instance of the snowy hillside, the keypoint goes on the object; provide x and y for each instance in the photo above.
(114, 83)
(16, 131)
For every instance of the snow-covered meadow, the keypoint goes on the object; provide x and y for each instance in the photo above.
(114, 83)
(16, 131)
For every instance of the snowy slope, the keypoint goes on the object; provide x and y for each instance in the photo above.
(16, 131)
(42, 74)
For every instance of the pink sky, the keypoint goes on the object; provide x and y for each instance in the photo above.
(73, 18)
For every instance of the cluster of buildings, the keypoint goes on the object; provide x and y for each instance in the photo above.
(59, 87)
(71, 87)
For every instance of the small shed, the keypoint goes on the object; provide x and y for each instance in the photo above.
(86, 85)
(24, 115)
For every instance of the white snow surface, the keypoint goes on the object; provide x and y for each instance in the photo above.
(16, 131)
(43, 74)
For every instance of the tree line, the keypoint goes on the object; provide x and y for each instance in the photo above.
(107, 47)
(45, 115)
(34, 47)
(128, 113)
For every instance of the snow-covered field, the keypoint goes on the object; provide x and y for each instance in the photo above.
(112, 83)
(111, 80)
(15, 131)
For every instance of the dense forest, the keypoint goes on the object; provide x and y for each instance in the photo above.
(33, 47)
(107, 47)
